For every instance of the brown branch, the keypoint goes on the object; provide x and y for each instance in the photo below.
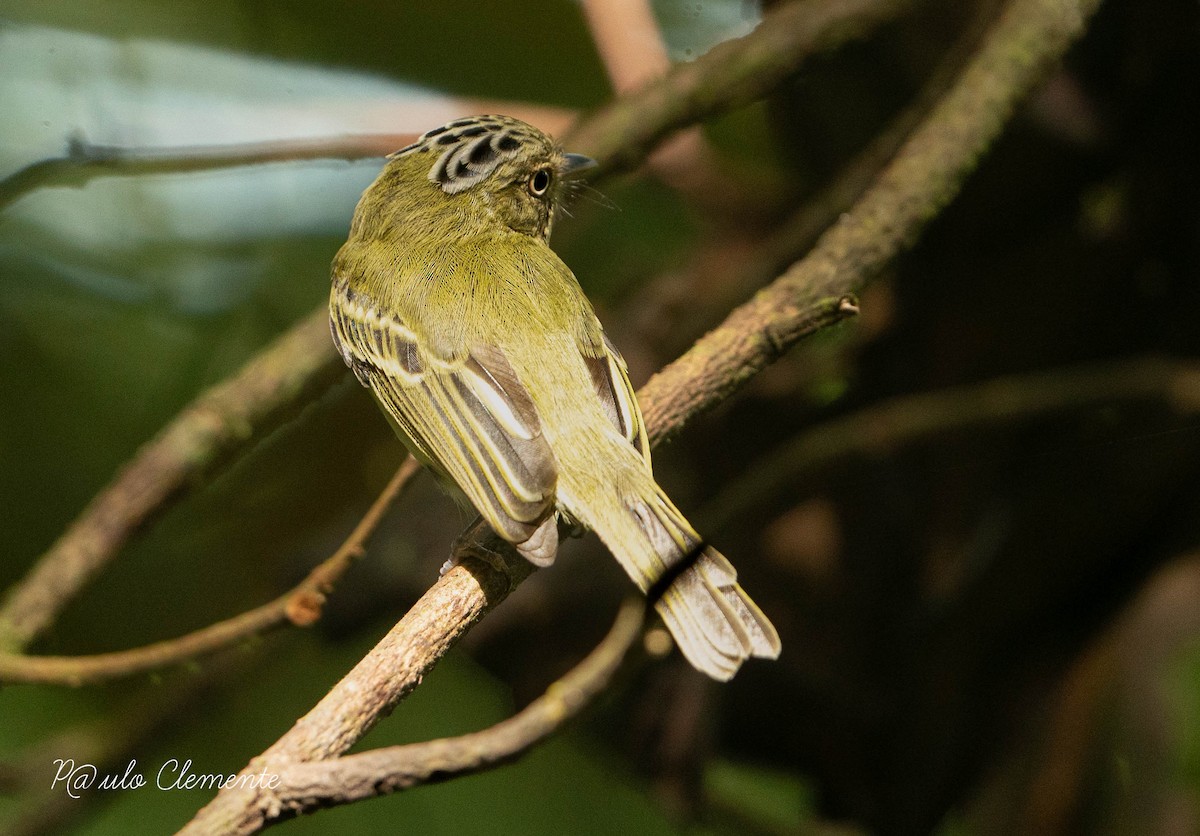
(300, 606)
(924, 176)
(905, 420)
(721, 274)
(85, 161)
(231, 416)
(926, 173)
(305, 787)
(732, 73)
(479, 581)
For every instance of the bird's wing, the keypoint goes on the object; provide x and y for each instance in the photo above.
(471, 418)
(610, 376)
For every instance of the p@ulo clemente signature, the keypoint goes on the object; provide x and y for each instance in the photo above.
(76, 778)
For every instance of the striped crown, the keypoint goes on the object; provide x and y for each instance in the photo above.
(472, 148)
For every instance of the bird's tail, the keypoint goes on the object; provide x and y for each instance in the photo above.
(711, 618)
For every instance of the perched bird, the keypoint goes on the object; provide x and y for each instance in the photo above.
(482, 349)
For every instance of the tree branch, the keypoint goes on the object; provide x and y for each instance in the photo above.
(479, 581)
(301, 606)
(925, 175)
(889, 425)
(305, 787)
(85, 161)
(733, 73)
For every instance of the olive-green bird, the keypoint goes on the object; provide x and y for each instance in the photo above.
(449, 304)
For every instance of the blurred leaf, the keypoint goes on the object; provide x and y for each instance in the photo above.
(774, 801)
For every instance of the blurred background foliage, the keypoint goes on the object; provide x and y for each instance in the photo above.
(986, 630)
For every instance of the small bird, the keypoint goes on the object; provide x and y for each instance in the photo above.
(489, 361)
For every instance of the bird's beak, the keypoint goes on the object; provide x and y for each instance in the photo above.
(576, 163)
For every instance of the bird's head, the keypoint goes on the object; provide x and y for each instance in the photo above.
(492, 167)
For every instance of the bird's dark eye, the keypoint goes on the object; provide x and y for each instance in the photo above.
(539, 182)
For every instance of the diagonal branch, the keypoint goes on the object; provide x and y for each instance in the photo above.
(923, 177)
(309, 786)
(730, 74)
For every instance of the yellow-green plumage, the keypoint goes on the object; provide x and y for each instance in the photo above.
(479, 344)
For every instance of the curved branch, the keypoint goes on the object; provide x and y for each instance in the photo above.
(304, 787)
(891, 424)
(300, 606)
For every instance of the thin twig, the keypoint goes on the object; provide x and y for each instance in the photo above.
(84, 161)
(893, 424)
(300, 606)
(305, 787)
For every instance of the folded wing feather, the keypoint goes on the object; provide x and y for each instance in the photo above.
(471, 419)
